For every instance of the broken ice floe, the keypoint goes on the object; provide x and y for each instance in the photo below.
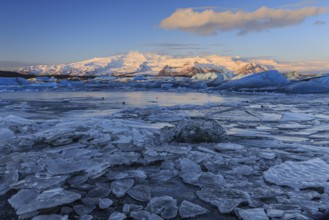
(128, 164)
(29, 200)
(311, 173)
(140, 193)
(226, 200)
(165, 206)
(190, 210)
(252, 214)
(120, 187)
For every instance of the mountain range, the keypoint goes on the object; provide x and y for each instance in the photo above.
(134, 63)
(149, 63)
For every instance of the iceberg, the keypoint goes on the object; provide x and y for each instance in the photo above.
(271, 78)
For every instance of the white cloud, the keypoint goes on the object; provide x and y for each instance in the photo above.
(209, 22)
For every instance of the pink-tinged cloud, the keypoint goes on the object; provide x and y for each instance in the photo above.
(209, 22)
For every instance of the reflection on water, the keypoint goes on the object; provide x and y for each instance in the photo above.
(136, 98)
(85, 104)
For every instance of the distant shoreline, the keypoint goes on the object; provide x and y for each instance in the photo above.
(8, 74)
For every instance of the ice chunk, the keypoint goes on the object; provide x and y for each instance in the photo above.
(141, 193)
(59, 136)
(39, 181)
(77, 180)
(243, 170)
(190, 171)
(120, 157)
(299, 175)
(66, 210)
(6, 134)
(112, 126)
(18, 124)
(140, 174)
(93, 196)
(127, 208)
(62, 166)
(83, 209)
(208, 179)
(296, 116)
(275, 213)
(151, 155)
(196, 130)
(248, 133)
(144, 215)
(105, 203)
(225, 201)
(117, 216)
(120, 187)
(228, 147)
(190, 210)
(292, 216)
(9, 177)
(174, 149)
(236, 115)
(165, 206)
(252, 214)
(86, 217)
(164, 175)
(51, 217)
(123, 139)
(267, 155)
(29, 200)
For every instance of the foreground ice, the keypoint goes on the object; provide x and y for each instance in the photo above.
(273, 164)
(164, 206)
(29, 200)
(190, 210)
(252, 214)
(311, 173)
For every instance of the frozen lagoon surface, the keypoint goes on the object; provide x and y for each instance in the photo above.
(111, 155)
(86, 104)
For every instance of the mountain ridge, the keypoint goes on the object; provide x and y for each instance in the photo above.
(135, 62)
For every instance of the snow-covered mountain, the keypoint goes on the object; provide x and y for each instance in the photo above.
(250, 68)
(149, 63)
(124, 63)
(190, 69)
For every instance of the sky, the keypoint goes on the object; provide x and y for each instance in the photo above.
(61, 31)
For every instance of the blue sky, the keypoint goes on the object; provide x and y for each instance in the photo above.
(58, 31)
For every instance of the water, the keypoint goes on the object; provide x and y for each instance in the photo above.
(85, 104)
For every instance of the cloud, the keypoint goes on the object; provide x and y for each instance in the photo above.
(317, 22)
(209, 22)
